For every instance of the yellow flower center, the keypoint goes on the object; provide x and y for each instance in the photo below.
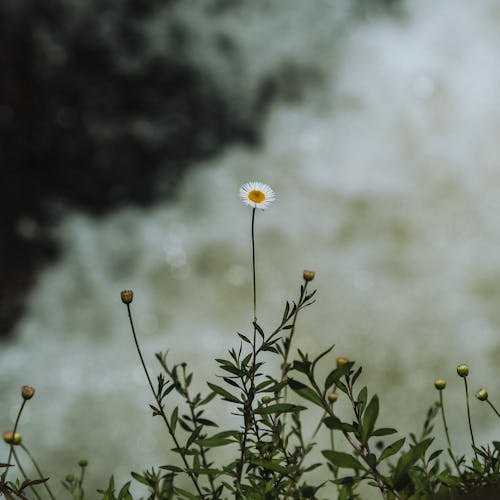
(256, 196)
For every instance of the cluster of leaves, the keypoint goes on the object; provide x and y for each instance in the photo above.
(268, 456)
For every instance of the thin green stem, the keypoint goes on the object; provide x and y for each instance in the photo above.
(494, 409)
(450, 448)
(160, 407)
(253, 271)
(468, 416)
(11, 449)
(16, 458)
(247, 408)
(33, 461)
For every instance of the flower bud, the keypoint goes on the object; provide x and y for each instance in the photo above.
(332, 397)
(482, 395)
(463, 370)
(341, 361)
(266, 399)
(127, 296)
(70, 478)
(308, 275)
(27, 392)
(11, 438)
(440, 384)
(83, 463)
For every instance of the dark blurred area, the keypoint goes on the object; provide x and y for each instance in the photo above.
(92, 119)
(81, 129)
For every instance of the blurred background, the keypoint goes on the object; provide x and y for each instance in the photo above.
(127, 128)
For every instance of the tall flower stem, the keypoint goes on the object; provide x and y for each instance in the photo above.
(160, 407)
(11, 449)
(468, 416)
(33, 461)
(450, 448)
(247, 409)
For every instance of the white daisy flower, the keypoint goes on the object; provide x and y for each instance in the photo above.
(257, 195)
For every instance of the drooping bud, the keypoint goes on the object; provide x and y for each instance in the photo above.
(308, 275)
(332, 397)
(127, 296)
(27, 392)
(482, 395)
(11, 438)
(341, 361)
(463, 370)
(440, 384)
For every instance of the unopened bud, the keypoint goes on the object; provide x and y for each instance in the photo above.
(70, 478)
(127, 296)
(308, 275)
(482, 395)
(463, 370)
(11, 438)
(83, 463)
(440, 384)
(266, 399)
(27, 392)
(341, 361)
(332, 397)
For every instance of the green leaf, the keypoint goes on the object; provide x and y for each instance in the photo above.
(259, 329)
(362, 398)
(369, 419)
(225, 394)
(207, 399)
(171, 468)
(124, 493)
(213, 442)
(435, 454)
(392, 449)
(173, 418)
(408, 459)
(193, 436)
(336, 424)
(205, 421)
(341, 459)
(185, 494)
(305, 392)
(271, 465)
(335, 375)
(449, 480)
(278, 408)
(140, 479)
(244, 338)
(384, 431)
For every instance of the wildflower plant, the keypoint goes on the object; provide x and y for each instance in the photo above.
(271, 453)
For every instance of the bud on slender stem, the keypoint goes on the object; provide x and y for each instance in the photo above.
(27, 392)
(308, 275)
(127, 296)
(481, 394)
(463, 370)
(440, 384)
